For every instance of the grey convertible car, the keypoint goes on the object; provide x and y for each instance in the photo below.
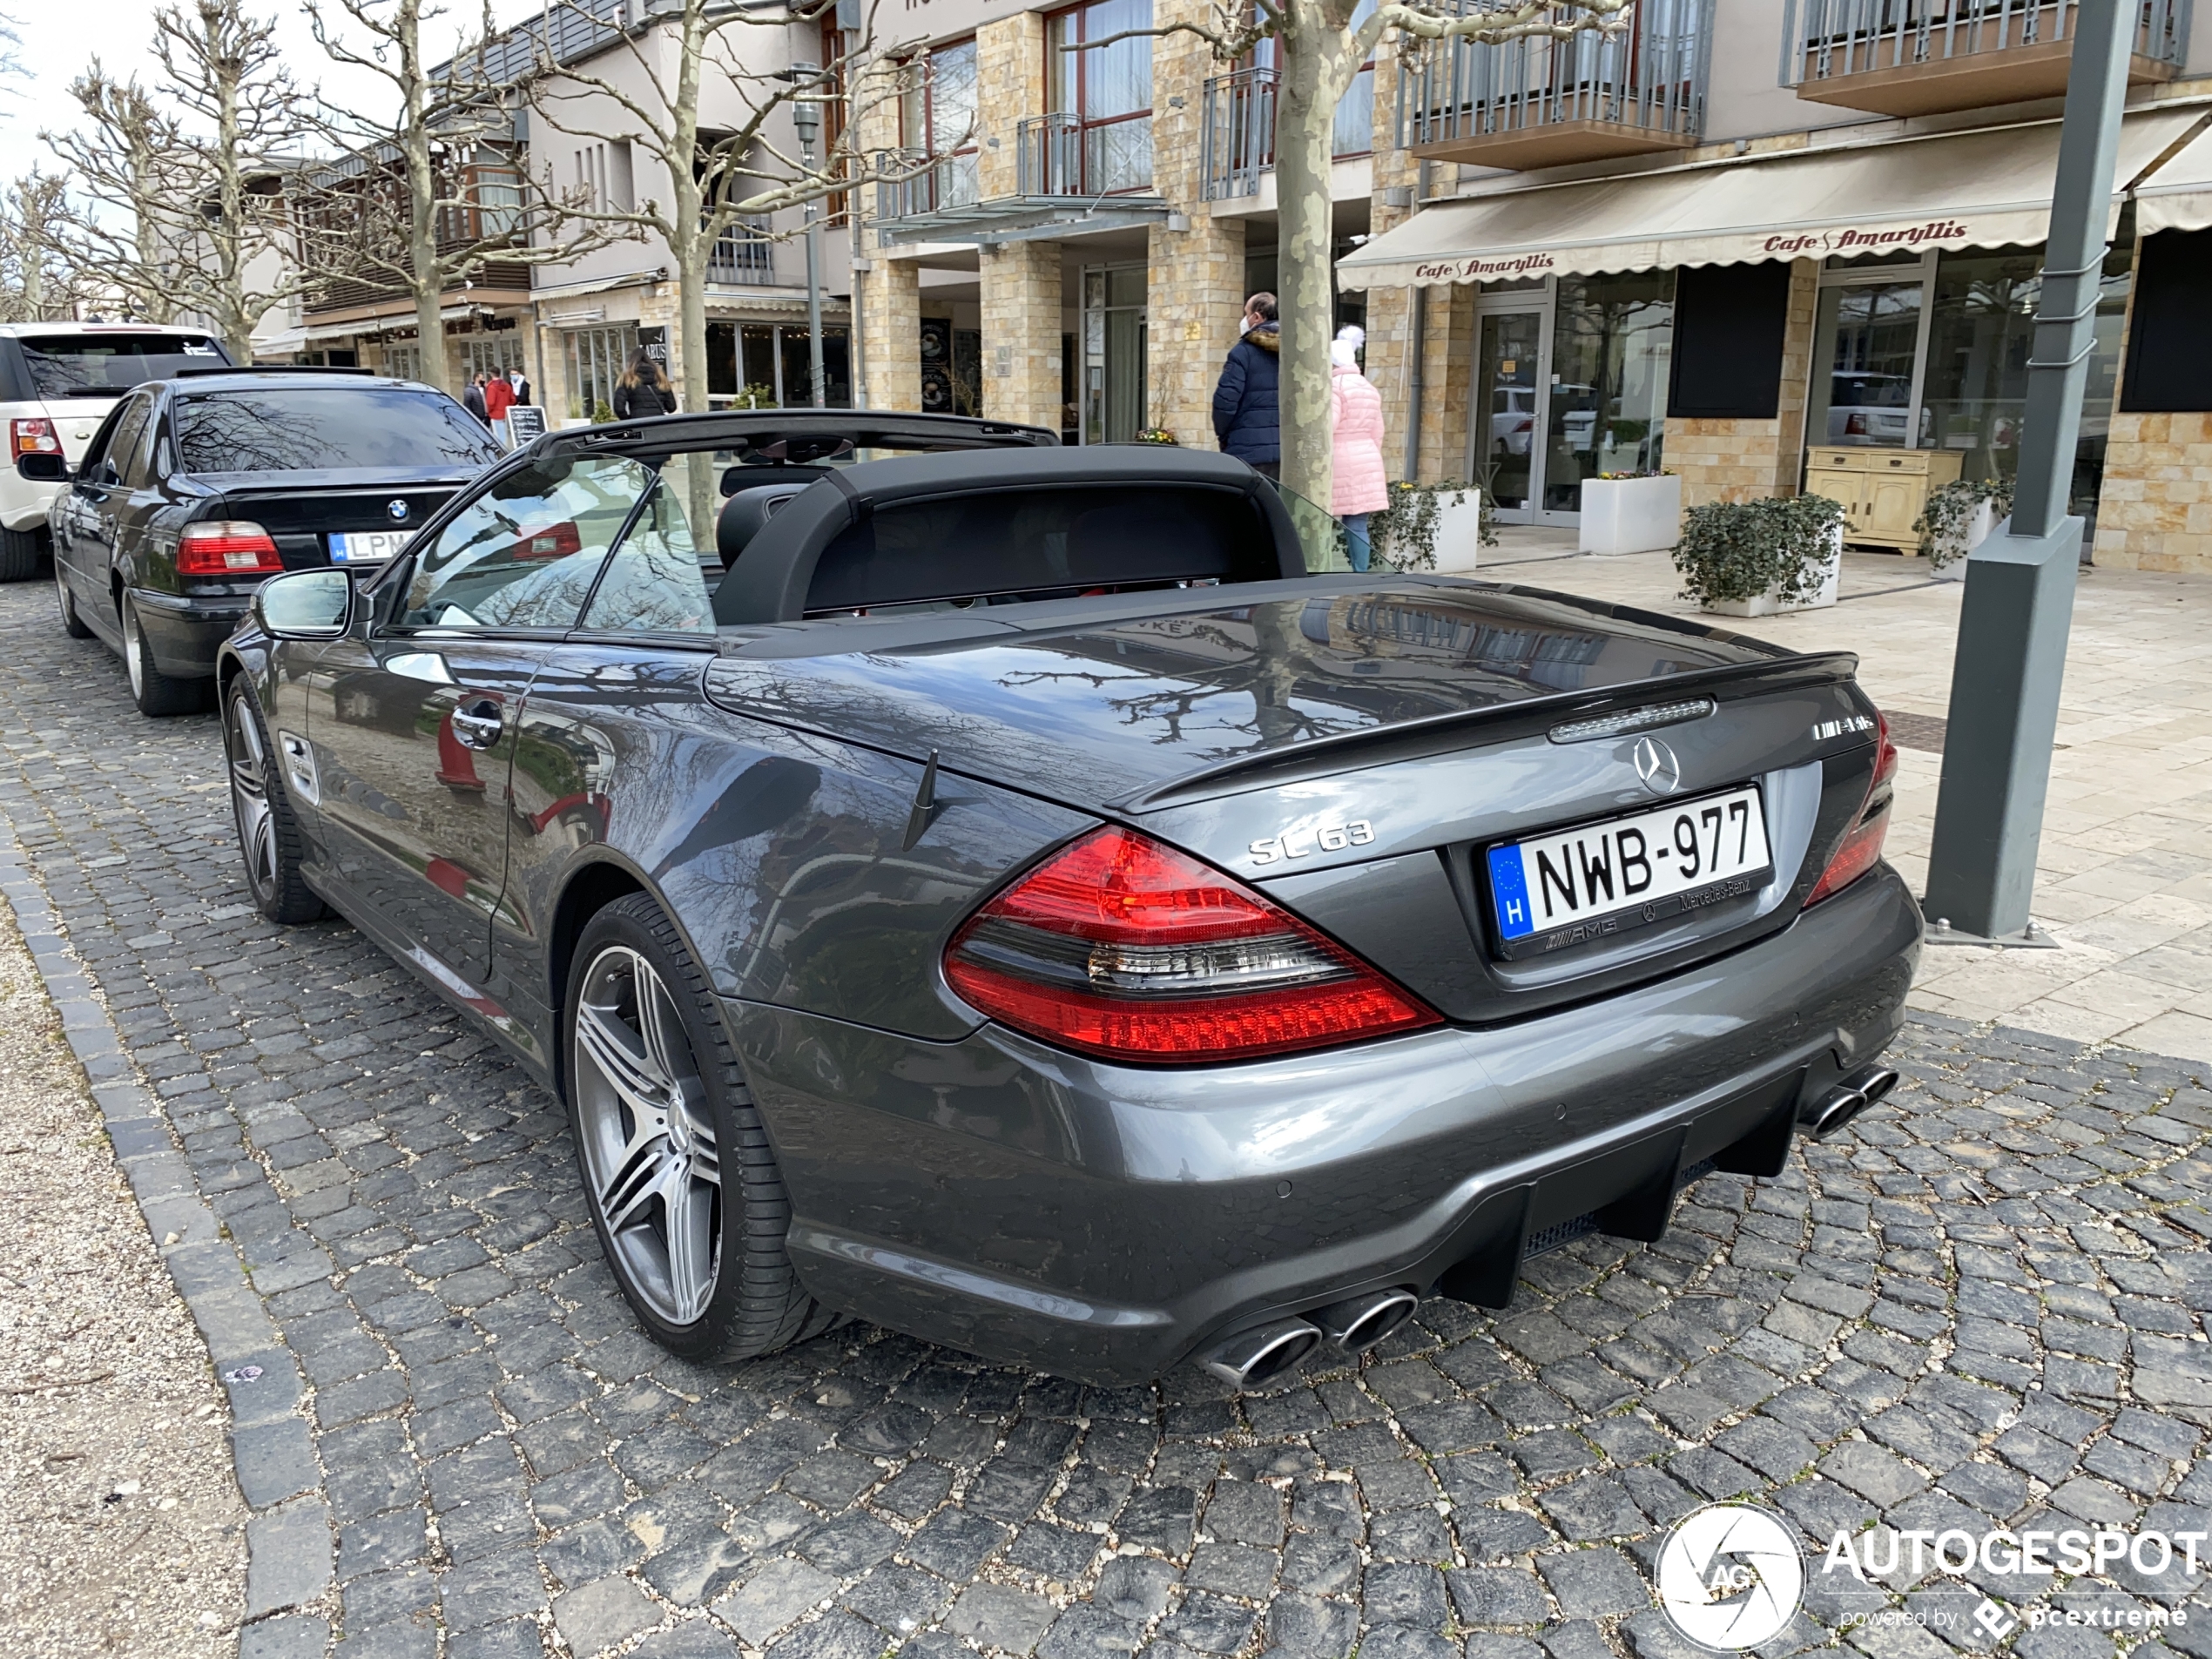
(997, 891)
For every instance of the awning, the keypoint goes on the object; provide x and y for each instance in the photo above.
(2178, 197)
(1984, 188)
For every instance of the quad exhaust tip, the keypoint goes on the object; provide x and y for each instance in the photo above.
(1263, 1353)
(1842, 1103)
(1358, 1323)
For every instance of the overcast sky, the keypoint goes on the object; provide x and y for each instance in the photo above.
(61, 36)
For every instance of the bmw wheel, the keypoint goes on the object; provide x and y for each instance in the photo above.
(155, 693)
(268, 834)
(684, 1189)
(72, 624)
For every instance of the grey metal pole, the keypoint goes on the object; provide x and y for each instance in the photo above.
(2019, 605)
(807, 120)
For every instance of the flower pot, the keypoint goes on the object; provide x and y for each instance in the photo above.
(1459, 532)
(1766, 604)
(1972, 535)
(1630, 515)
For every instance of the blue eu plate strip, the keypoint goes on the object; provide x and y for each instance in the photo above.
(1510, 892)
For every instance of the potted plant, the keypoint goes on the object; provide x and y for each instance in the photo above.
(1631, 512)
(1156, 435)
(1755, 558)
(1957, 519)
(1433, 527)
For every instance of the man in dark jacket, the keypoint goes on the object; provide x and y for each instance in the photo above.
(1247, 416)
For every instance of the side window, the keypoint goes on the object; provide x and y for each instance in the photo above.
(123, 440)
(137, 464)
(523, 554)
(653, 583)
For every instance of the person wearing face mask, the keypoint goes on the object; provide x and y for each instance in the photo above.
(1247, 416)
(1358, 487)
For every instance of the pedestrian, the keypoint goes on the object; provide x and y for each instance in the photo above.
(499, 397)
(642, 390)
(1247, 417)
(520, 383)
(1356, 440)
(472, 399)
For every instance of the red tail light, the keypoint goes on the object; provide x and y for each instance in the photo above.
(33, 438)
(226, 547)
(1862, 845)
(549, 542)
(1121, 948)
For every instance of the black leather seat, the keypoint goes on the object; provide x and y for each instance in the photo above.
(744, 513)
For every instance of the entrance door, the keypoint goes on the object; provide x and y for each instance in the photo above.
(1113, 353)
(1505, 437)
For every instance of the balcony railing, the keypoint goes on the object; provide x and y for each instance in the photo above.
(1237, 134)
(1906, 57)
(1062, 155)
(743, 254)
(1539, 102)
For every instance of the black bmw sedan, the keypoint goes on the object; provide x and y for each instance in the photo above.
(196, 489)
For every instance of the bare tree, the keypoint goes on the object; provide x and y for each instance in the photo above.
(37, 280)
(132, 160)
(710, 176)
(11, 43)
(1318, 50)
(425, 198)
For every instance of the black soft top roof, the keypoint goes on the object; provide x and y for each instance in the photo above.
(755, 432)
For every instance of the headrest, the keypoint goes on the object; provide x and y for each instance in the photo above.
(744, 513)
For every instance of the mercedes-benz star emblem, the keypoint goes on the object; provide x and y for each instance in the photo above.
(1656, 765)
(395, 510)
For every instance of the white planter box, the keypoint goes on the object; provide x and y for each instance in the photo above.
(1630, 515)
(1458, 533)
(1975, 532)
(1766, 604)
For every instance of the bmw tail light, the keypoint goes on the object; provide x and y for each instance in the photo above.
(1121, 948)
(226, 547)
(33, 438)
(1862, 844)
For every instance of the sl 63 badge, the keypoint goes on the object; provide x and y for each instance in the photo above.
(1303, 844)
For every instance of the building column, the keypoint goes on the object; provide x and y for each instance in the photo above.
(1009, 88)
(888, 300)
(1447, 379)
(1020, 303)
(1744, 459)
(1194, 296)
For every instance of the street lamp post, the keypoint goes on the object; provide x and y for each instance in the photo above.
(806, 117)
(2018, 603)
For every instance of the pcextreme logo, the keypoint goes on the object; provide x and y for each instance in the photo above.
(1730, 1576)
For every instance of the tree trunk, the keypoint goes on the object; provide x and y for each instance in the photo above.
(426, 275)
(1313, 57)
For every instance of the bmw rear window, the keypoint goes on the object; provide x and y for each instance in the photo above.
(66, 365)
(308, 428)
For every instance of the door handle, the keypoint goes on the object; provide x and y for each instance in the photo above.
(478, 722)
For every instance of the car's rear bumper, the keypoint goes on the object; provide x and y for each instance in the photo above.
(1105, 1222)
(185, 632)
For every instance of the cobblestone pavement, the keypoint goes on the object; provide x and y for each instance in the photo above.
(1985, 1304)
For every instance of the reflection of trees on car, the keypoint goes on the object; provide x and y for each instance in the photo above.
(310, 431)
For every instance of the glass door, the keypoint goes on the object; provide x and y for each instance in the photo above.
(1504, 458)
(1113, 355)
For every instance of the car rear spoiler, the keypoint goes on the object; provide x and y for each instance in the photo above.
(1435, 734)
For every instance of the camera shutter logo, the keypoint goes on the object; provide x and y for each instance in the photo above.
(1730, 1576)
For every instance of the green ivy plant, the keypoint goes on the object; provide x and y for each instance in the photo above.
(1943, 518)
(1404, 533)
(1738, 550)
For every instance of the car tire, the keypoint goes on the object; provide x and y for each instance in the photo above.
(269, 837)
(156, 693)
(72, 624)
(678, 1170)
(20, 551)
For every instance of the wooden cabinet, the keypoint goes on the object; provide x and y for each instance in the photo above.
(1882, 490)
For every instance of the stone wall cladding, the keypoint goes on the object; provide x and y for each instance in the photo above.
(2156, 510)
(1746, 460)
(1022, 368)
(1009, 88)
(1195, 277)
(891, 333)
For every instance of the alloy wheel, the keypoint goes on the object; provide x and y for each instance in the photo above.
(133, 652)
(648, 1139)
(62, 595)
(250, 798)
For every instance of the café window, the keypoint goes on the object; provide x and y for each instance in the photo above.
(769, 365)
(596, 360)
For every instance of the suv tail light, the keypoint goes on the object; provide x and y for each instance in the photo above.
(225, 547)
(33, 438)
(1862, 844)
(1121, 948)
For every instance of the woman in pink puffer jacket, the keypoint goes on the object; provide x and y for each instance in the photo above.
(1356, 427)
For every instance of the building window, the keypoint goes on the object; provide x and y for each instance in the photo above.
(1107, 89)
(597, 358)
(937, 117)
(494, 356)
(1612, 354)
(403, 362)
(767, 365)
(1353, 133)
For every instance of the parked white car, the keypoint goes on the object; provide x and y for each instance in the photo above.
(57, 383)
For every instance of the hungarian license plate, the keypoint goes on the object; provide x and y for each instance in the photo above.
(1585, 884)
(366, 547)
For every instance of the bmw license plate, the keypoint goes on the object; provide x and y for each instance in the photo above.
(1580, 885)
(366, 547)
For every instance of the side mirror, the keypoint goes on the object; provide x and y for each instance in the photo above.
(42, 470)
(305, 604)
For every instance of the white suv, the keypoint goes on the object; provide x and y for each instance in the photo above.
(57, 383)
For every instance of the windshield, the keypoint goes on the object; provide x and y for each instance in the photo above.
(308, 428)
(64, 366)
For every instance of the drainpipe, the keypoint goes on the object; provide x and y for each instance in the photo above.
(1417, 328)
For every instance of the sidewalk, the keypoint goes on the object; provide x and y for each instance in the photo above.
(2125, 867)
